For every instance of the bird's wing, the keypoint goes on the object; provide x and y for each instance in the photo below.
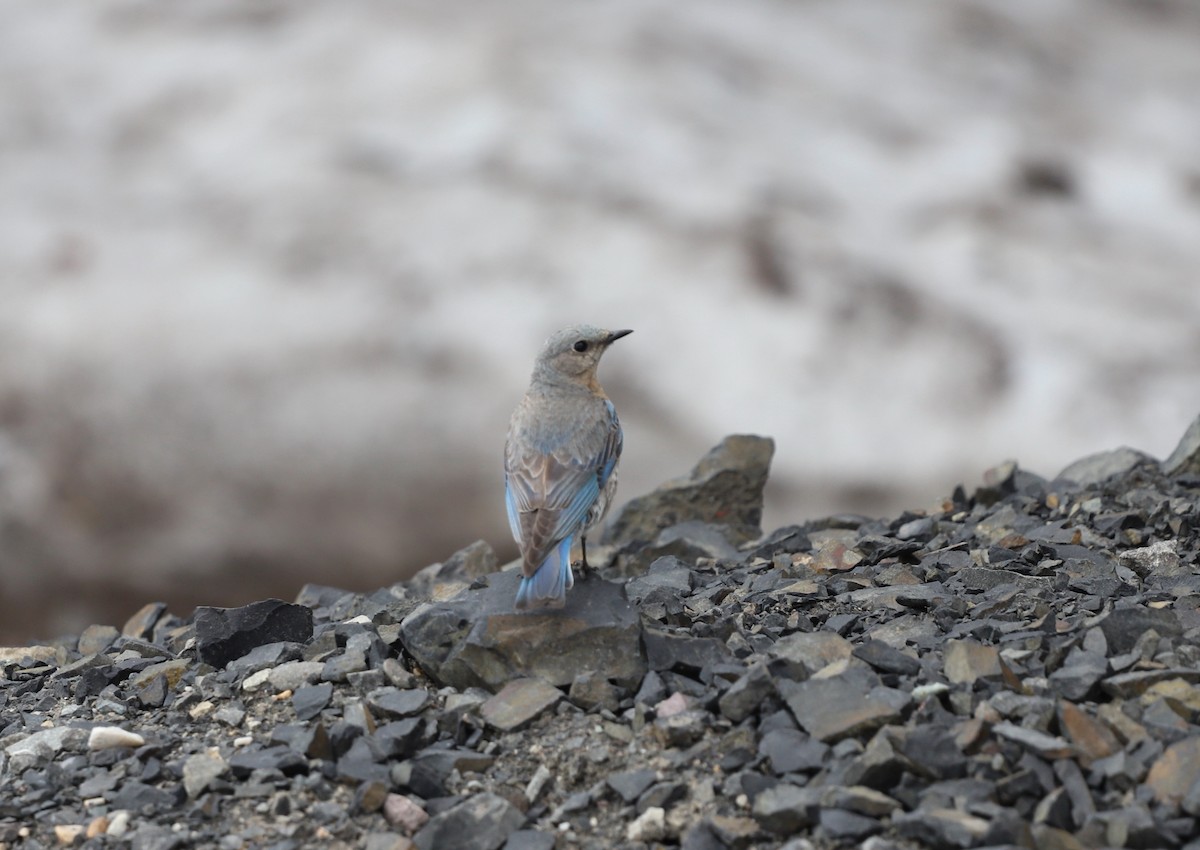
(549, 493)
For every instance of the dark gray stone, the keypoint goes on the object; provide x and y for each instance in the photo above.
(1123, 627)
(1080, 673)
(267, 655)
(885, 658)
(1185, 459)
(223, 634)
(667, 573)
(477, 640)
(311, 700)
(791, 751)
(725, 488)
(631, 784)
(530, 839)
(746, 695)
(1099, 467)
(846, 705)
(844, 825)
(393, 702)
(481, 822)
(786, 809)
(683, 652)
(282, 758)
(941, 829)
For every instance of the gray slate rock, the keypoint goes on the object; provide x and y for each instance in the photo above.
(477, 640)
(223, 634)
(1123, 627)
(724, 488)
(481, 822)
(842, 706)
(1099, 467)
(1186, 456)
(786, 809)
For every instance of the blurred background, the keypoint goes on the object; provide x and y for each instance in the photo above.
(272, 275)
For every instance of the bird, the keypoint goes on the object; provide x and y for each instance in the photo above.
(560, 462)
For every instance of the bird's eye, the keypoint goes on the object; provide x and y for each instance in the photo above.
(581, 346)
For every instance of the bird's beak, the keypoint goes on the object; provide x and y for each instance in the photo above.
(616, 335)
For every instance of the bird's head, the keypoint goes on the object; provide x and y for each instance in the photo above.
(575, 352)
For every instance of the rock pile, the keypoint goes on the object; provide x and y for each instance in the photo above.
(1020, 667)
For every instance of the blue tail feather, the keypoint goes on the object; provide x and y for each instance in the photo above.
(548, 586)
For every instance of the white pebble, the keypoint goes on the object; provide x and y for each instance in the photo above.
(108, 737)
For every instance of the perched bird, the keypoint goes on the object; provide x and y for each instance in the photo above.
(560, 462)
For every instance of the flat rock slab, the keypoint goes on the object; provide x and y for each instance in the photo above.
(518, 703)
(481, 822)
(966, 660)
(1175, 772)
(843, 706)
(1038, 743)
(808, 652)
(478, 640)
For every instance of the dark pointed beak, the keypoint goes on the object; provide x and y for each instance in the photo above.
(616, 335)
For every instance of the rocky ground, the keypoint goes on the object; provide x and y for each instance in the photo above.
(273, 274)
(1018, 668)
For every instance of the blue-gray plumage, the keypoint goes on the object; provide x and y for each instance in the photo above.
(560, 462)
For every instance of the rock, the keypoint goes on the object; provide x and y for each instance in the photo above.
(1158, 559)
(886, 659)
(1097, 468)
(225, 634)
(747, 694)
(591, 691)
(393, 702)
(650, 825)
(842, 825)
(1185, 459)
(735, 832)
(1038, 743)
(631, 784)
(292, 675)
(786, 809)
(807, 652)
(42, 654)
(965, 661)
(141, 624)
(1123, 627)
(940, 828)
(724, 488)
(310, 700)
(404, 814)
(530, 839)
(855, 798)
(845, 705)
(43, 746)
(518, 703)
(682, 652)
(1091, 739)
(201, 770)
(667, 574)
(481, 822)
(96, 639)
(461, 568)
(1175, 772)
(476, 640)
(1080, 673)
(791, 751)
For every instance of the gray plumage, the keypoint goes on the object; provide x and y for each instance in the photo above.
(560, 461)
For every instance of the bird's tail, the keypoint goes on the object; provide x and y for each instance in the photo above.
(548, 586)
